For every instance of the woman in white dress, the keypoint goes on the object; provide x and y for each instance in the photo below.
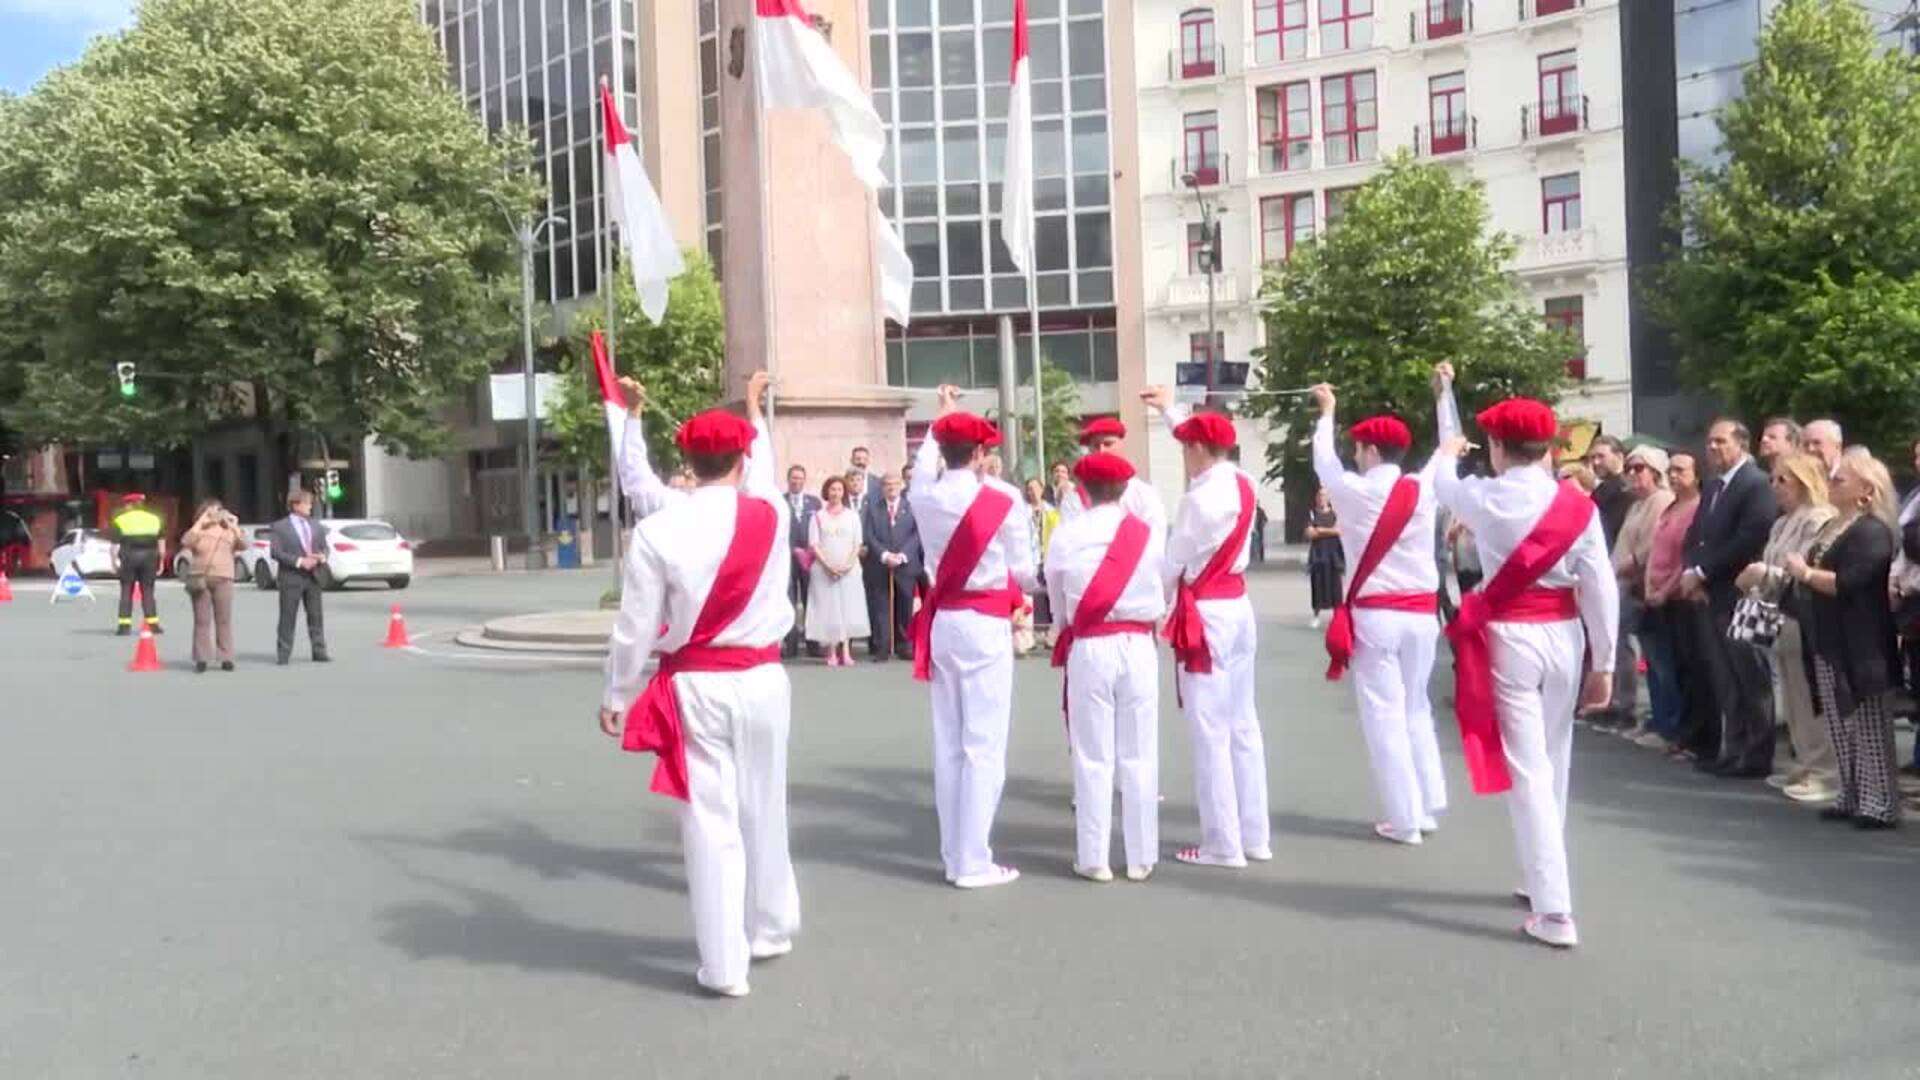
(836, 596)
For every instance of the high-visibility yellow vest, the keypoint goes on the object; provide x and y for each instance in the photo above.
(137, 524)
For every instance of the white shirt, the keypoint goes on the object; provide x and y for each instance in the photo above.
(1074, 554)
(671, 564)
(1140, 498)
(940, 497)
(638, 481)
(1207, 513)
(1358, 498)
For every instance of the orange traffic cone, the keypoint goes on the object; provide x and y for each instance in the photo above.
(6, 588)
(145, 656)
(397, 631)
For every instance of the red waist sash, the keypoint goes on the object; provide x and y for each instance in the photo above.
(654, 725)
(972, 537)
(1418, 603)
(1538, 605)
(1402, 500)
(1186, 632)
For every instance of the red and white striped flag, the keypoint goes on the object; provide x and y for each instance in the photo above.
(797, 69)
(611, 399)
(651, 253)
(1016, 200)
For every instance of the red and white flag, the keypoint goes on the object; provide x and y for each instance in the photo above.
(651, 253)
(798, 70)
(1016, 200)
(611, 399)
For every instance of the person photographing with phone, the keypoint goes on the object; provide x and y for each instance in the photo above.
(212, 543)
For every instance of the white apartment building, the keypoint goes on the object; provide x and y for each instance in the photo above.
(1275, 108)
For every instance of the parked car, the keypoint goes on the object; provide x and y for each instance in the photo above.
(242, 565)
(257, 556)
(87, 549)
(360, 549)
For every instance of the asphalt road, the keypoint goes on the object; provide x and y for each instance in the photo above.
(408, 865)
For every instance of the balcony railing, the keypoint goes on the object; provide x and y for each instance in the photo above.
(1227, 375)
(1285, 155)
(1434, 142)
(1212, 172)
(1559, 249)
(1440, 19)
(1186, 65)
(1554, 116)
(1190, 291)
(1540, 9)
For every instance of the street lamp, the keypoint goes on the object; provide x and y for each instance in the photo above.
(1210, 264)
(526, 233)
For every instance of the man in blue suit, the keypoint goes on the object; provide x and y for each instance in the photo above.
(892, 557)
(804, 505)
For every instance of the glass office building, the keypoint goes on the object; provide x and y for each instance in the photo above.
(537, 64)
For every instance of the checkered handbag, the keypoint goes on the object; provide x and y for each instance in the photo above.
(1756, 621)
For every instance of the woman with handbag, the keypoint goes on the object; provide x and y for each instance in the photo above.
(1800, 488)
(1856, 658)
(1646, 472)
(212, 545)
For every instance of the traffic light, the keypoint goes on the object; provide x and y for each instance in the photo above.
(334, 490)
(124, 372)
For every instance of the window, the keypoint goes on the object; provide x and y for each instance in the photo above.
(1447, 110)
(1345, 25)
(1203, 146)
(1286, 222)
(1560, 203)
(1286, 127)
(1337, 200)
(1197, 248)
(1348, 113)
(1553, 7)
(1197, 53)
(1446, 18)
(1279, 30)
(1568, 314)
(1559, 92)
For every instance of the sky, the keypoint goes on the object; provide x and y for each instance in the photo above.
(37, 36)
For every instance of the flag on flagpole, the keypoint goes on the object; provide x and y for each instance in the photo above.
(612, 401)
(1016, 200)
(634, 206)
(797, 69)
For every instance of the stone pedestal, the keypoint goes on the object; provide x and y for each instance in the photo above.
(801, 289)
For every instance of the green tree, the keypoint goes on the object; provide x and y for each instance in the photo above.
(681, 362)
(1060, 409)
(1410, 277)
(277, 209)
(1794, 288)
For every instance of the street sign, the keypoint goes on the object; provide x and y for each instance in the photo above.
(71, 586)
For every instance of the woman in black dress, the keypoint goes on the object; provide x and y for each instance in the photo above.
(1326, 562)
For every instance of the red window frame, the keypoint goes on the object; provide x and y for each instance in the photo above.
(1553, 7)
(1196, 243)
(1197, 348)
(1447, 113)
(1202, 145)
(1275, 23)
(1293, 227)
(1559, 213)
(1282, 147)
(1342, 120)
(1570, 317)
(1559, 92)
(1445, 18)
(1198, 49)
(1340, 26)
(1336, 206)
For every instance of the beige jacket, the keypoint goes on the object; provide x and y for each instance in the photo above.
(1633, 547)
(212, 550)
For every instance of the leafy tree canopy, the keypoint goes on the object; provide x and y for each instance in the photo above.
(275, 208)
(1794, 290)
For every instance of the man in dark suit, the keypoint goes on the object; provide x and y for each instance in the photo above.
(804, 506)
(299, 548)
(893, 555)
(1728, 534)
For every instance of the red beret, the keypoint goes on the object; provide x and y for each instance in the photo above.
(1387, 431)
(1103, 468)
(964, 427)
(132, 497)
(1102, 427)
(1519, 420)
(1208, 429)
(715, 432)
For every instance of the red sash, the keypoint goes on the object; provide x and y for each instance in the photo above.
(1510, 596)
(1109, 580)
(967, 547)
(1186, 632)
(653, 724)
(1402, 500)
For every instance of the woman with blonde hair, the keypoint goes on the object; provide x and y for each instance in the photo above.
(212, 544)
(1800, 489)
(1856, 658)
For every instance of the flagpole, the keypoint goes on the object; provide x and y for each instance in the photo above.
(770, 354)
(609, 285)
(1039, 398)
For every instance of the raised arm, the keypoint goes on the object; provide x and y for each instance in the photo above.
(1159, 399)
(1446, 411)
(758, 480)
(1326, 456)
(926, 459)
(638, 482)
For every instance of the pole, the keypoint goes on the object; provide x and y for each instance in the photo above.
(528, 471)
(1009, 369)
(1039, 398)
(760, 159)
(609, 285)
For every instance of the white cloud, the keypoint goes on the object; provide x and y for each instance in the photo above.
(90, 14)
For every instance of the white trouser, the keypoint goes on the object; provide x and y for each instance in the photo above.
(972, 700)
(1392, 663)
(733, 830)
(1113, 725)
(1229, 757)
(1536, 685)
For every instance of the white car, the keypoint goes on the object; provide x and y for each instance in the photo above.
(244, 564)
(360, 549)
(87, 549)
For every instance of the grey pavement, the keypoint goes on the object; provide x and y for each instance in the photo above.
(403, 864)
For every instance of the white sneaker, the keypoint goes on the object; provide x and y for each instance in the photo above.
(1139, 873)
(1554, 930)
(1809, 791)
(1429, 824)
(770, 950)
(1094, 873)
(1314, 623)
(1779, 781)
(732, 990)
(1653, 741)
(999, 875)
(1194, 856)
(1387, 832)
(1260, 854)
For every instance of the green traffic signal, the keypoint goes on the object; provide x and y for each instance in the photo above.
(126, 390)
(334, 492)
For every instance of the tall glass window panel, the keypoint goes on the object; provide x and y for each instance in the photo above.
(1202, 146)
(1286, 127)
(1447, 112)
(1197, 49)
(1345, 25)
(1279, 30)
(1560, 203)
(1559, 92)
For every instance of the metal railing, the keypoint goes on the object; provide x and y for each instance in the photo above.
(1214, 173)
(1432, 142)
(1437, 20)
(1184, 66)
(1554, 117)
(1540, 9)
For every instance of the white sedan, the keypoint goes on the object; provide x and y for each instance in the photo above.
(360, 549)
(244, 564)
(89, 550)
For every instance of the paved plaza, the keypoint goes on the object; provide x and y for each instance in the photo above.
(433, 865)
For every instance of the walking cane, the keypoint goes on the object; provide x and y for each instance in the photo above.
(893, 621)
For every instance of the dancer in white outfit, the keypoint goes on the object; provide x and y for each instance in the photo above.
(1517, 640)
(1104, 435)
(1388, 626)
(1103, 578)
(981, 563)
(1213, 637)
(713, 567)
